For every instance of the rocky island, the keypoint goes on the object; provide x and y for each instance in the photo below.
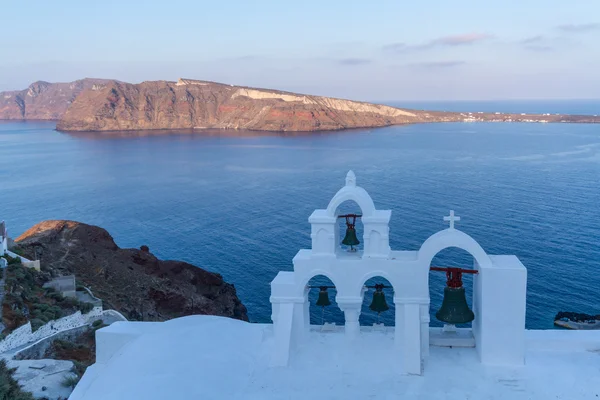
(109, 105)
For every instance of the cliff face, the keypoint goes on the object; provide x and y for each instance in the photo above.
(190, 104)
(131, 281)
(44, 100)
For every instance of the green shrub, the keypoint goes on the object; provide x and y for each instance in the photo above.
(36, 324)
(17, 251)
(63, 344)
(69, 302)
(85, 307)
(70, 381)
(58, 312)
(9, 387)
(12, 261)
(56, 296)
(41, 306)
(78, 368)
(49, 315)
(26, 295)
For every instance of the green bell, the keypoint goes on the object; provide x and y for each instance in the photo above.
(323, 299)
(378, 304)
(350, 239)
(454, 309)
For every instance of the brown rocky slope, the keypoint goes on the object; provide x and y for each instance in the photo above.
(131, 281)
(191, 104)
(44, 100)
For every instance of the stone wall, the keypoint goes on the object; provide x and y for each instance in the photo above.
(25, 262)
(32, 264)
(24, 334)
(37, 350)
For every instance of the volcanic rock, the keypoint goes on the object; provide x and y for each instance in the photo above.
(44, 100)
(131, 281)
(191, 104)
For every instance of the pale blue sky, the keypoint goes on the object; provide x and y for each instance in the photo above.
(365, 50)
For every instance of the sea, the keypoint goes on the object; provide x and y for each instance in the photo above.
(237, 203)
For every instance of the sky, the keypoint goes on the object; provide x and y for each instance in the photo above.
(364, 50)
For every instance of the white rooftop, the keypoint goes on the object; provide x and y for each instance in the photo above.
(206, 357)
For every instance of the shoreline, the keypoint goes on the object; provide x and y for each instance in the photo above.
(431, 117)
(562, 118)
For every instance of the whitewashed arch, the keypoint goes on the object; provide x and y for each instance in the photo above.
(374, 274)
(452, 238)
(354, 193)
(316, 272)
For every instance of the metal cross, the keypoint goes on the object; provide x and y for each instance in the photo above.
(451, 218)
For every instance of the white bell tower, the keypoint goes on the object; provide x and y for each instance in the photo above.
(324, 223)
(498, 330)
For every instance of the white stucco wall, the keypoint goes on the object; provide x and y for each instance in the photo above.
(24, 334)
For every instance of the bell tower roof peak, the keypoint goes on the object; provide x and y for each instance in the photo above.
(350, 178)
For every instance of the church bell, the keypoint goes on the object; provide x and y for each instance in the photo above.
(323, 299)
(350, 238)
(378, 304)
(454, 309)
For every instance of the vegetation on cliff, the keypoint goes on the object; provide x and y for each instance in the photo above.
(9, 387)
(26, 299)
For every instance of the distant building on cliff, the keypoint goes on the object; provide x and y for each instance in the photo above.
(3, 238)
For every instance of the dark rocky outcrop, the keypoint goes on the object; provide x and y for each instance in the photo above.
(131, 281)
(577, 317)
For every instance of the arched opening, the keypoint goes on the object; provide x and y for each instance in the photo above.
(349, 207)
(368, 317)
(321, 315)
(453, 257)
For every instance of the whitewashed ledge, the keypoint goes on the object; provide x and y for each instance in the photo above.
(219, 358)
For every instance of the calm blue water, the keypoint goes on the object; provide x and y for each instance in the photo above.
(239, 205)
